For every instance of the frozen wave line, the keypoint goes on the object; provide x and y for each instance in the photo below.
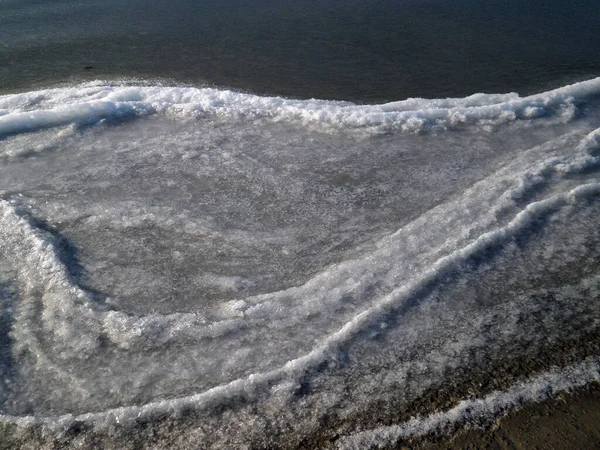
(52, 315)
(43, 271)
(329, 347)
(62, 298)
(88, 104)
(68, 309)
(483, 410)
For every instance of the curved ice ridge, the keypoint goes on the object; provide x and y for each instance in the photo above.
(43, 274)
(42, 270)
(494, 405)
(90, 103)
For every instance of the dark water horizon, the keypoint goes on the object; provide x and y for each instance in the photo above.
(357, 50)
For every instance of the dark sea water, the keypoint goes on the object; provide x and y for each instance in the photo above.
(293, 224)
(360, 50)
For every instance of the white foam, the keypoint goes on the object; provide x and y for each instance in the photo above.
(87, 104)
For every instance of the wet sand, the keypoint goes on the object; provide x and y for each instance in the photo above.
(570, 421)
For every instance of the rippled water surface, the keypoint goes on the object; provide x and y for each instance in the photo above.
(359, 50)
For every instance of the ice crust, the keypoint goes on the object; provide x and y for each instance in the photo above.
(402, 255)
(89, 104)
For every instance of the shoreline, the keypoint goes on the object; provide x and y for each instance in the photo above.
(569, 421)
(300, 225)
(526, 423)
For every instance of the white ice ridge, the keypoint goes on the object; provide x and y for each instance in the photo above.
(68, 312)
(90, 103)
(496, 404)
(42, 270)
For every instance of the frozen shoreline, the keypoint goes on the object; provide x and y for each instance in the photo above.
(524, 383)
(262, 271)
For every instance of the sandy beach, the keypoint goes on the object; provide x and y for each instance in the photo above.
(570, 421)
